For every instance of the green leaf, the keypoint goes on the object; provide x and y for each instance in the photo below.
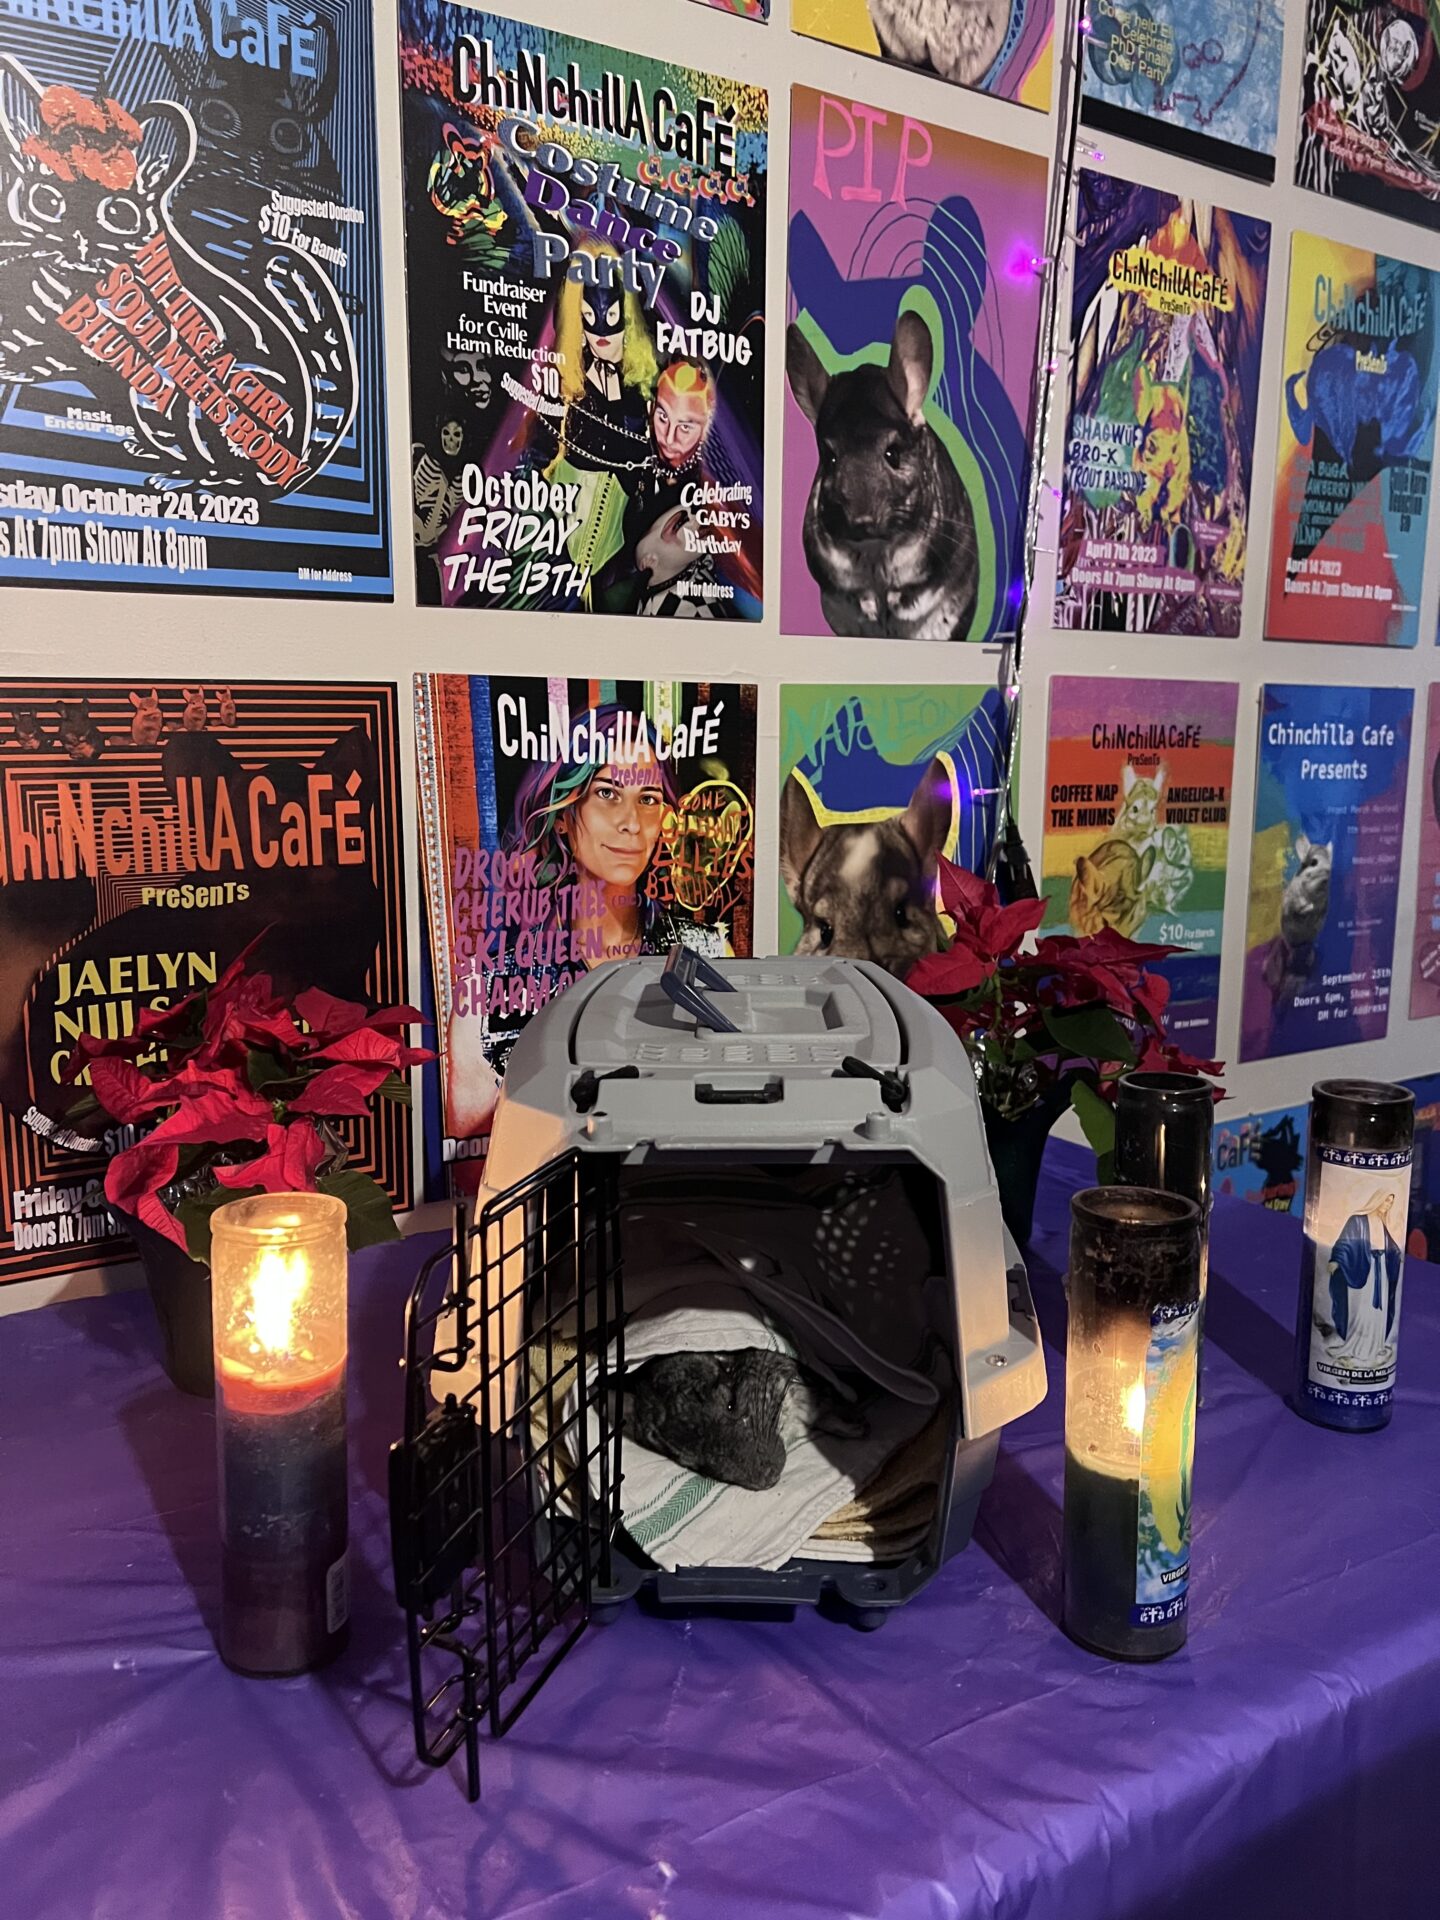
(370, 1218)
(1097, 1123)
(1092, 1033)
(83, 1106)
(195, 1213)
(268, 1074)
(396, 1088)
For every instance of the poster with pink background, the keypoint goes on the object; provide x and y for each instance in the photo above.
(915, 527)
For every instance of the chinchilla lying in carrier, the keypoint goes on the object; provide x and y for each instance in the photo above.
(736, 1322)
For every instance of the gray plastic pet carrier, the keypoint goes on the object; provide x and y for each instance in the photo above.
(744, 1209)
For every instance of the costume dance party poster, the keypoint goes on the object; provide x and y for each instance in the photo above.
(191, 381)
(1199, 78)
(1137, 826)
(1167, 311)
(914, 307)
(1261, 1157)
(1370, 106)
(585, 255)
(1357, 433)
(566, 823)
(875, 783)
(1324, 867)
(1001, 48)
(1425, 964)
(149, 833)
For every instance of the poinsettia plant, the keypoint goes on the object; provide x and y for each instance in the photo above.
(239, 1090)
(1066, 1015)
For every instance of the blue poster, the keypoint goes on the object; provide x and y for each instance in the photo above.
(191, 380)
(1200, 78)
(1260, 1158)
(1324, 868)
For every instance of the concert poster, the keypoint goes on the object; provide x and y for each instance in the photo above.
(149, 832)
(564, 824)
(1425, 960)
(1167, 312)
(191, 362)
(1260, 1158)
(585, 261)
(1369, 106)
(1002, 48)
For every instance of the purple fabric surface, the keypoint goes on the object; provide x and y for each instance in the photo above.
(964, 1761)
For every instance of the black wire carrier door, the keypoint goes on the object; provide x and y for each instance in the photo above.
(505, 1490)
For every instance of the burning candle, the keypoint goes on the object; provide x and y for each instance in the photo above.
(278, 1273)
(1134, 1294)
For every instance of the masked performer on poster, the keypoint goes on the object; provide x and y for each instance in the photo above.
(608, 376)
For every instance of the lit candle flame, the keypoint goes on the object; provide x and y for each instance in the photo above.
(275, 1294)
(1135, 1406)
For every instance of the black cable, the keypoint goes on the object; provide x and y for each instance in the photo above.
(1009, 864)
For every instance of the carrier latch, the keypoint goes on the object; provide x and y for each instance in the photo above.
(586, 1090)
(894, 1087)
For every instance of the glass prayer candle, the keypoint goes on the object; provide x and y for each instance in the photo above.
(278, 1278)
(1130, 1383)
(1357, 1201)
(1163, 1126)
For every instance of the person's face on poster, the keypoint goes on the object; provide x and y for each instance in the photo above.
(602, 317)
(469, 375)
(680, 422)
(614, 829)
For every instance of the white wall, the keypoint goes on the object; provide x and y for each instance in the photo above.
(55, 631)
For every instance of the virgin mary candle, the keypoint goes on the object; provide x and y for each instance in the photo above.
(1357, 1198)
(278, 1274)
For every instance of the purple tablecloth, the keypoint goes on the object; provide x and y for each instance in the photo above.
(967, 1760)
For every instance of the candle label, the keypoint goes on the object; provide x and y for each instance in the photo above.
(1167, 1454)
(337, 1594)
(1355, 1243)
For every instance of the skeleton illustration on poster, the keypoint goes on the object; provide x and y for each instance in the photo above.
(191, 390)
(914, 307)
(149, 833)
(1324, 867)
(585, 246)
(996, 46)
(1370, 106)
(1261, 1158)
(564, 824)
(1357, 433)
(1166, 318)
(1137, 826)
(1199, 78)
(1425, 960)
(875, 783)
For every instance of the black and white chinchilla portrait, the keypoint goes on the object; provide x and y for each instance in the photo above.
(889, 528)
(867, 891)
(958, 39)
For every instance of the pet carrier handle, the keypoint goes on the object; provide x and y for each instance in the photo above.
(710, 1095)
(688, 980)
(586, 1090)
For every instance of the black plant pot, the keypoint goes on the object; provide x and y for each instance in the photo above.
(1017, 1148)
(180, 1290)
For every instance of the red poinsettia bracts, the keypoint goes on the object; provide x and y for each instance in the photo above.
(1081, 1012)
(236, 1086)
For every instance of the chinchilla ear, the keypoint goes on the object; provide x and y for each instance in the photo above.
(927, 819)
(809, 381)
(1302, 849)
(912, 359)
(800, 833)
